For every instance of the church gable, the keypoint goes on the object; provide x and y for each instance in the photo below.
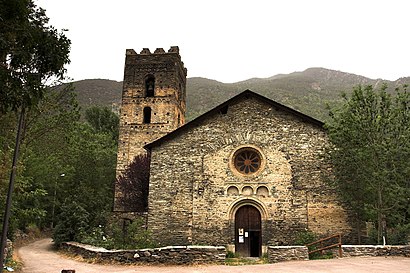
(224, 108)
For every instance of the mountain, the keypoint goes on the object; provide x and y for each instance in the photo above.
(308, 91)
(98, 92)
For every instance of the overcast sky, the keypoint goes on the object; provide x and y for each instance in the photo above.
(231, 41)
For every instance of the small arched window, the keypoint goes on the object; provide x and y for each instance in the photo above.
(150, 86)
(147, 115)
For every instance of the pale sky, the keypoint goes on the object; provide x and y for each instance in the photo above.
(231, 41)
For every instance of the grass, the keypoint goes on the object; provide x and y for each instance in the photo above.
(235, 260)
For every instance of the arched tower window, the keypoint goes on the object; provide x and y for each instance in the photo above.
(150, 86)
(147, 115)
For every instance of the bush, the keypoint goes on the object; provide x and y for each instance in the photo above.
(305, 237)
(131, 236)
(72, 223)
(399, 235)
(98, 237)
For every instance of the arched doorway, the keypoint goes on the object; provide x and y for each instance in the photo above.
(248, 231)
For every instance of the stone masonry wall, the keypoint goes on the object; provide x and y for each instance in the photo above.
(287, 253)
(167, 103)
(195, 190)
(180, 255)
(375, 250)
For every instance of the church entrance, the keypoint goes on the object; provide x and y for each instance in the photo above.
(248, 231)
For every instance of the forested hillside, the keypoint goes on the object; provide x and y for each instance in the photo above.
(308, 91)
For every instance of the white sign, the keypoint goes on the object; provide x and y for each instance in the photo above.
(246, 234)
(241, 240)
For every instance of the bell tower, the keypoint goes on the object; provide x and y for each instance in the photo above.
(153, 100)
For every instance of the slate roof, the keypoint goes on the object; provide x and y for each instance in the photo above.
(245, 94)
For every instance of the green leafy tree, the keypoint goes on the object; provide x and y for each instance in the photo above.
(72, 223)
(370, 137)
(31, 54)
(103, 120)
(41, 158)
(89, 160)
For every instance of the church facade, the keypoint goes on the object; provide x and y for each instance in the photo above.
(247, 174)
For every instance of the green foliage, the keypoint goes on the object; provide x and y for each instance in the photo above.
(90, 161)
(370, 134)
(72, 223)
(131, 236)
(399, 235)
(319, 256)
(98, 237)
(61, 158)
(103, 120)
(305, 237)
(32, 52)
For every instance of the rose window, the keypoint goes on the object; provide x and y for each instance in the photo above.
(247, 161)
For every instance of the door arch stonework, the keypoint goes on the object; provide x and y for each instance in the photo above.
(247, 201)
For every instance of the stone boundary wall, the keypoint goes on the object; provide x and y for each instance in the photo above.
(375, 250)
(287, 253)
(163, 255)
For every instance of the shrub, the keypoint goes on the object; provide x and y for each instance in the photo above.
(399, 235)
(305, 237)
(131, 236)
(72, 223)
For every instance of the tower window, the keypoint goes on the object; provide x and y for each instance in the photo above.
(150, 86)
(147, 115)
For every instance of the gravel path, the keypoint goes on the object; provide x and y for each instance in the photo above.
(39, 257)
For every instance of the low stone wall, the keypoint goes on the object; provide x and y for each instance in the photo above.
(287, 253)
(163, 255)
(375, 250)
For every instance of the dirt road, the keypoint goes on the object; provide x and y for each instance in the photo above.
(39, 257)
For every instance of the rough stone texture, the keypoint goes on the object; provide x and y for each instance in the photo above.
(287, 253)
(375, 250)
(163, 255)
(195, 190)
(167, 102)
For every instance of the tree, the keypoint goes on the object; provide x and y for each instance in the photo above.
(72, 223)
(370, 137)
(31, 54)
(133, 185)
(103, 120)
(90, 161)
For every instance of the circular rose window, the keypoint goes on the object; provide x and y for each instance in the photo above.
(247, 160)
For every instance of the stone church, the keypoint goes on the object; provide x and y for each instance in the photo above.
(247, 174)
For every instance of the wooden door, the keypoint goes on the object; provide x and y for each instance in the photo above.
(248, 231)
